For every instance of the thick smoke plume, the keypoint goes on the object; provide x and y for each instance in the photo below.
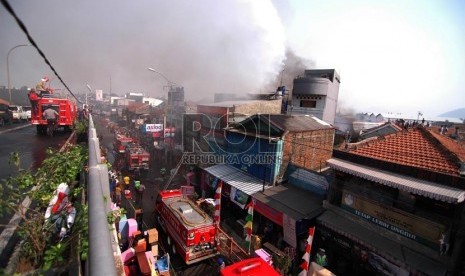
(207, 46)
(292, 67)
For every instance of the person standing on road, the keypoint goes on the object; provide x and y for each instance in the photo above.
(118, 191)
(136, 174)
(127, 181)
(50, 115)
(140, 192)
(112, 188)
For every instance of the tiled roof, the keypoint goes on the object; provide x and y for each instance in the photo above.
(456, 146)
(415, 147)
(132, 107)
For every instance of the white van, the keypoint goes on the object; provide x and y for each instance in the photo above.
(18, 113)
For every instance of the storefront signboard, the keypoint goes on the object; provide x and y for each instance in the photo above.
(153, 127)
(269, 213)
(289, 231)
(405, 224)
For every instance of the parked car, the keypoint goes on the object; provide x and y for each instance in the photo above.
(28, 109)
(18, 113)
(6, 116)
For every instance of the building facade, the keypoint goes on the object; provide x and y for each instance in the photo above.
(396, 206)
(316, 93)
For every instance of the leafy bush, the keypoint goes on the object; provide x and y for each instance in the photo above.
(39, 247)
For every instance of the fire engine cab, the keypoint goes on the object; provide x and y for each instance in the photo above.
(190, 232)
(137, 158)
(120, 143)
(64, 107)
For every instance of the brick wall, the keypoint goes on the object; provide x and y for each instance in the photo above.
(263, 107)
(308, 149)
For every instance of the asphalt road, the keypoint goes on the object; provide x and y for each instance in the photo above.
(153, 182)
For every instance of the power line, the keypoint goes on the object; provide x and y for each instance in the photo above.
(31, 40)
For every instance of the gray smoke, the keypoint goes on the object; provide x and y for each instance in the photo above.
(293, 66)
(207, 46)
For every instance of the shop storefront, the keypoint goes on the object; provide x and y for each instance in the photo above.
(353, 249)
(237, 189)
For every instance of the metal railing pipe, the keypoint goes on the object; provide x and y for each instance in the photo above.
(100, 257)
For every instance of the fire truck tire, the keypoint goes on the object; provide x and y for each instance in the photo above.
(40, 130)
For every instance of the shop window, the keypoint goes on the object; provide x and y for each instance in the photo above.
(308, 103)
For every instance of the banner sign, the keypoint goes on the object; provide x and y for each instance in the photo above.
(289, 233)
(153, 127)
(99, 95)
(405, 224)
(269, 213)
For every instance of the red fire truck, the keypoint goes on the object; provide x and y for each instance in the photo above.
(190, 231)
(137, 158)
(65, 108)
(120, 143)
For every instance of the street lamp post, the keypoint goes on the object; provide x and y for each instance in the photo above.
(167, 108)
(8, 66)
(90, 89)
(170, 83)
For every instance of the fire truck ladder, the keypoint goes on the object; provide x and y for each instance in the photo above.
(168, 183)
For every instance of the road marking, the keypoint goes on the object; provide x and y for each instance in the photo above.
(15, 128)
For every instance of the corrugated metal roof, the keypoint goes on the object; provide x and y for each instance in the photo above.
(291, 123)
(309, 177)
(230, 103)
(405, 183)
(294, 123)
(236, 178)
(292, 201)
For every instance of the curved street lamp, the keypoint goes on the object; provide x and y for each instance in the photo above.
(8, 65)
(170, 83)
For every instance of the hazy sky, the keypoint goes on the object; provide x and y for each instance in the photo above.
(398, 56)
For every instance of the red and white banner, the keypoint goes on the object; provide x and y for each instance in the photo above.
(216, 218)
(308, 249)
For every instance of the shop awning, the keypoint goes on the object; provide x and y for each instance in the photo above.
(389, 249)
(236, 178)
(405, 183)
(292, 201)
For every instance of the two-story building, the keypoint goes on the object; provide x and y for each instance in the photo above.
(258, 152)
(396, 207)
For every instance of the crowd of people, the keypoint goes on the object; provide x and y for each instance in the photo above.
(127, 185)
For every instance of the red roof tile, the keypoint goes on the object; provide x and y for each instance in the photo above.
(455, 146)
(416, 148)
